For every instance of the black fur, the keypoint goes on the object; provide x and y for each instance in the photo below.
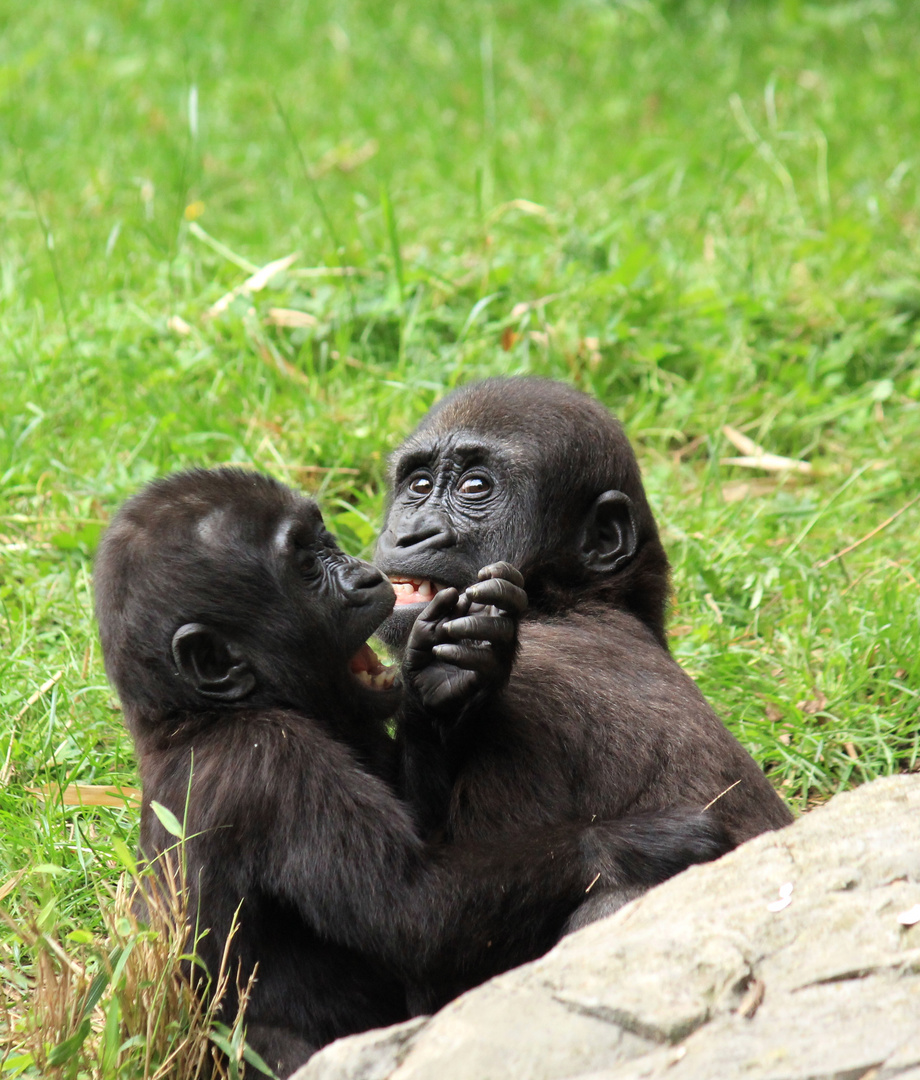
(597, 720)
(228, 617)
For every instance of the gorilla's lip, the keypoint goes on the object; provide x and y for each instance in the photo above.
(369, 670)
(414, 590)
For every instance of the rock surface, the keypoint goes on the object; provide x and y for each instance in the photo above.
(795, 957)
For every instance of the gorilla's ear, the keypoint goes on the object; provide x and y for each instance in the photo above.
(212, 664)
(608, 539)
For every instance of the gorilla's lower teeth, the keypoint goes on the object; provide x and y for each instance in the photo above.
(383, 680)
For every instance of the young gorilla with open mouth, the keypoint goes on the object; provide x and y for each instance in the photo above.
(235, 630)
(560, 703)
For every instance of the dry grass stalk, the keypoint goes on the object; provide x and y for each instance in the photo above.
(868, 536)
(128, 1004)
(769, 462)
(254, 283)
(88, 795)
(290, 318)
(755, 457)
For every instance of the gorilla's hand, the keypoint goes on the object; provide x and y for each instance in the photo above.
(462, 646)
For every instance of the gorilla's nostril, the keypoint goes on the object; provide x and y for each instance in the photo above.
(368, 577)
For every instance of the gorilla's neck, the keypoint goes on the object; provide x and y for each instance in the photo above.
(641, 589)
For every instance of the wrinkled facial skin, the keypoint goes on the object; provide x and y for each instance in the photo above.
(454, 507)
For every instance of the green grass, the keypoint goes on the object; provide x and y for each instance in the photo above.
(705, 213)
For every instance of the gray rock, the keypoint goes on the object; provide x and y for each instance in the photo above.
(784, 960)
(374, 1055)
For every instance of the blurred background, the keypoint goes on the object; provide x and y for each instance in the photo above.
(274, 233)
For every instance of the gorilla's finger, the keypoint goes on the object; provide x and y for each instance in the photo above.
(445, 605)
(463, 606)
(439, 607)
(428, 629)
(497, 592)
(502, 570)
(494, 629)
(468, 657)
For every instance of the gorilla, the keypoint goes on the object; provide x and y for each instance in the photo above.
(234, 630)
(531, 587)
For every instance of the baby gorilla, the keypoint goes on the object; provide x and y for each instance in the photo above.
(234, 630)
(560, 703)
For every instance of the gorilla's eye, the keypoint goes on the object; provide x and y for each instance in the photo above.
(475, 486)
(421, 485)
(308, 563)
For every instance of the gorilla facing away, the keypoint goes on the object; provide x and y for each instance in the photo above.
(234, 630)
(563, 704)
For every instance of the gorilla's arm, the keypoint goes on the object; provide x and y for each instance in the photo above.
(345, 853)
(460, 653)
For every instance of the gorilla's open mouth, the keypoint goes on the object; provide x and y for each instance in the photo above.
(414, 590)
(370, 671)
